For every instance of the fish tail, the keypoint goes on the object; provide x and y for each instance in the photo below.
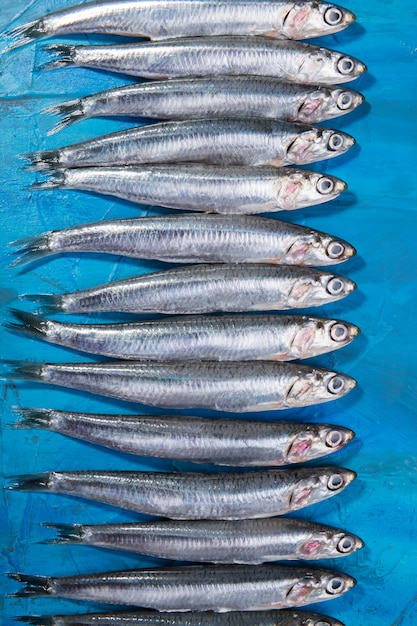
(32, 325)
(41, 160)
(31, 249)
(39, 620)
(62, 55)
(49, 303)
(34, 585)
(22, 35)
(33, 418)
(25, 371)
(66, 533)
(71, 111)
(30, 482)
(55, 180)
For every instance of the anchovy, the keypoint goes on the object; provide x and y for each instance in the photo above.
(201, 440)
(196, 187)
(290, 61)
(243, 541)
(284, 617)
(159, 19)
(194, 238)
(189, 496)
(231, 338)
(229, 96)
(218, 142)
(206, 289)
(197, 588)
(231, 387)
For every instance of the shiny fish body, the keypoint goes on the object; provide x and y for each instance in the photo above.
(194, 187)
(206, 289)
(237, 97)
(243, 541)
(218, 142)
(202, 440)
(230, 338)
(231, 387)
(198, 588)
(284, 617)
(189, 496)
(193, 238)
(290, 61)
(159, 19)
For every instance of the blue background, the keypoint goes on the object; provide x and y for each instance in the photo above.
(377, 214)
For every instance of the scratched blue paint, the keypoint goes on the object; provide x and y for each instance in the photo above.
(377, 214)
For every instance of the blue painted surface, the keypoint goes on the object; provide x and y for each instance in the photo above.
(377, 214)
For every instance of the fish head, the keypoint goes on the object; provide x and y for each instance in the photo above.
(316, 144)
(341, 101)
(314, 19)
(318, 484)
(317, 441)
(321, 65)
(317, 249)
(317, 386)
(318, 586)
(328, 544)
(325, 103)
(314, 288)
(301, 188)
(319, 335)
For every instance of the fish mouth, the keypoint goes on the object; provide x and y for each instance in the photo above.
(340, 186)
(361, 68)
(348, 17)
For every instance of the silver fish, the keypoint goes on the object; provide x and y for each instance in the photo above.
(218, 142)
(284, 617)
(233, 496)
(197, 588)
(231, 387)
(159, 19)
(206, 289)
(291, 61)
(194, 187)
(194, 238)
(244, 541)
(235, 443)
(221, 338)
(229, 96)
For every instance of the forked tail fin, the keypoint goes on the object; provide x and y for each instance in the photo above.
(41, 160)
(49, 303)
(31, 249)
(55, 180)
(71, 111)
(32, 418)
(65, 533)
(36, 620)
(34, 585)
(32, 325)
(61, 56)
(22, 35)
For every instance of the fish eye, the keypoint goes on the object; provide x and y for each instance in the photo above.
(346, 544)
(339, 332)
(321, 623)
(335, 249)
(345, 101)
(345, 65)
(335, 585)
(325, 185)
(334, 438)
(333, 16)
(335, 142)
(335, 482)
(336, 384)
(335, 286)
